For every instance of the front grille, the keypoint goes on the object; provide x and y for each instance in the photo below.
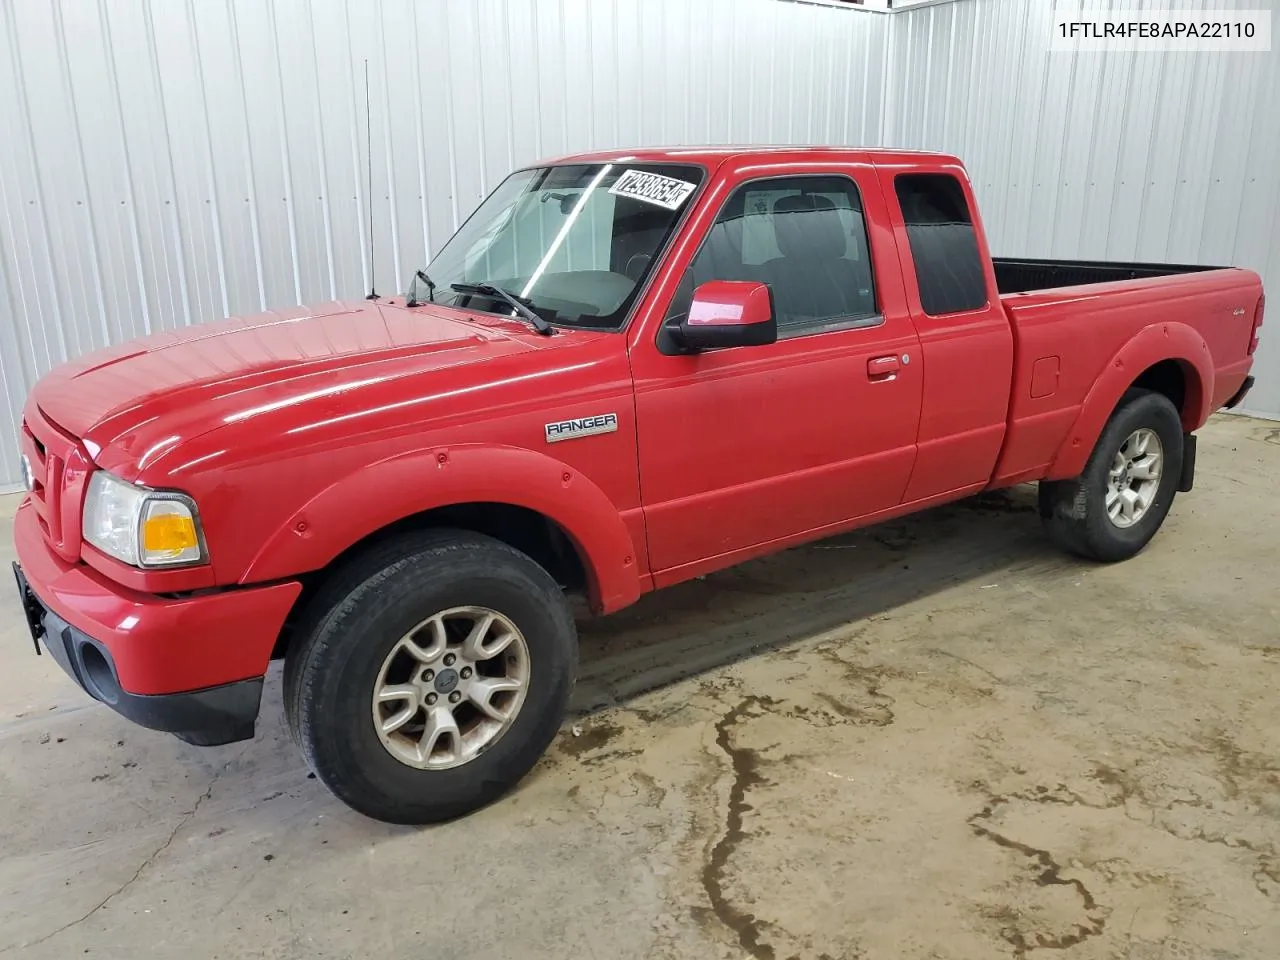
(36, 454)
(59, 467)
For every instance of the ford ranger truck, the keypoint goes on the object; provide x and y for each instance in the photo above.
(626, 369)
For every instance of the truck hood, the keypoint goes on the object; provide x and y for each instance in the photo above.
(196, 378)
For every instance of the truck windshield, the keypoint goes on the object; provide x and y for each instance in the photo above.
(574, 243)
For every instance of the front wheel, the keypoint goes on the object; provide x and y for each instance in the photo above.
(437, 671)
(1116, 506)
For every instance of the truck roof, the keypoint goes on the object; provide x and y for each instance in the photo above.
(713, 156)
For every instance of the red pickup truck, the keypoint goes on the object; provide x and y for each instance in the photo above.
(626, 369)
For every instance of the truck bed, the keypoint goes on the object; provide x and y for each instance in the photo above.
(1020, 276)
(1067, 335)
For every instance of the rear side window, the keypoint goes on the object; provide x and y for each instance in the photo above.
(943, 242)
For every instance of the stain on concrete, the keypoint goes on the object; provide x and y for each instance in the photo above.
(1239, 770)
(894, 537)
(593, 736)
(862, 685)
(1047, 873)
(606, 758)
(745, 766)
(878, 715)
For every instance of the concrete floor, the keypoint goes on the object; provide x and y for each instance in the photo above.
(936, 738)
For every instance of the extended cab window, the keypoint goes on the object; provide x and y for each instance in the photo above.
(805, 237)
(943, 242)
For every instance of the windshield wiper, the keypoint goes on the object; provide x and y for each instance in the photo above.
(516, 304)
(413, 301)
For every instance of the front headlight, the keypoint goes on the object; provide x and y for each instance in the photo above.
(143, 528)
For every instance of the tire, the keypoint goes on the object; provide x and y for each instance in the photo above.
(1075, 512)
(354, 637)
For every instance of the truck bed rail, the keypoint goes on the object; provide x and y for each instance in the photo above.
(1020, 276)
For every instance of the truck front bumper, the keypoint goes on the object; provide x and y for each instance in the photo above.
(192, 665)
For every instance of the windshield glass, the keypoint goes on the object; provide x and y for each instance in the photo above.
(575, 243)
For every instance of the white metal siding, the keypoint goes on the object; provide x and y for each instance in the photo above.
(172, 161)
(168, 163)
(1123, 156)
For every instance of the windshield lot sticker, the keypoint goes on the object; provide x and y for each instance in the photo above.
(652, 188)
(582, 427)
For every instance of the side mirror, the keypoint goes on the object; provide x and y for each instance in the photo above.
(729, 313)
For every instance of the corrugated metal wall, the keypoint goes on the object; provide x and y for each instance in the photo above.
(1120, 156)
(170, 161)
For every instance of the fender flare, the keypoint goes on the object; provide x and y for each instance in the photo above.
(410, 483)
(1149, 346)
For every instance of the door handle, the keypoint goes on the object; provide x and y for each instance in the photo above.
(883, 368)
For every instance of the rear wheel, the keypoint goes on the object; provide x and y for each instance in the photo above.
(1118, 503)
(437, 670)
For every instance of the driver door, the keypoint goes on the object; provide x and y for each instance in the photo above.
(746, 449)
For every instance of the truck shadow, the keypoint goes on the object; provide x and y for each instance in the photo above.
(766, 604)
